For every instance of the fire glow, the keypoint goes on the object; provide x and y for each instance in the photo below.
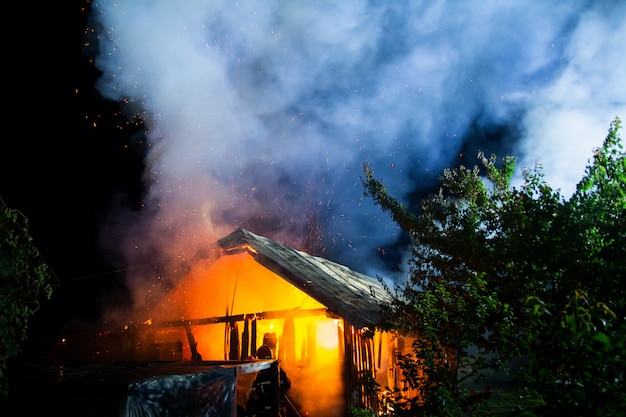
(235, 298)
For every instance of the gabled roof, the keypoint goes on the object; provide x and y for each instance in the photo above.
(353, 296)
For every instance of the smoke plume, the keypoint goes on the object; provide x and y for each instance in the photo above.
(261, 114)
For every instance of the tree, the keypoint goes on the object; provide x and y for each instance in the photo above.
(496, 270)
(581, 329)
(24, 282)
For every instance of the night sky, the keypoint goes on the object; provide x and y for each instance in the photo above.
(59, 169)
(136, 132)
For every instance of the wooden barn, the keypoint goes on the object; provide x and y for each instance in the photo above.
(319, 317)
(246, 290)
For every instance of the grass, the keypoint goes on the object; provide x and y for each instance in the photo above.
(504, 401)
(513, 402)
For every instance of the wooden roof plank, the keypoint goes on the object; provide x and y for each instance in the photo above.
(350, 294)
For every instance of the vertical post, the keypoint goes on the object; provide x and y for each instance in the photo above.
(245, 339)
(288, 342)
(253, 338)
(233, 353)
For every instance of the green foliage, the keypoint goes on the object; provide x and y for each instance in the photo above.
(583, 365)
(360, 412)
(500, 272)
(24, 282)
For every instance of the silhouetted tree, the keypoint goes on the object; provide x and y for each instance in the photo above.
(24, 282)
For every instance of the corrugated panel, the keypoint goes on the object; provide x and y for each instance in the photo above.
(352, 295)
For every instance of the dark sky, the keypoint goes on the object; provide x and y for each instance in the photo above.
(55, 166)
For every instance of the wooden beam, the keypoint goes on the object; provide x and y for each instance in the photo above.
(277, 314)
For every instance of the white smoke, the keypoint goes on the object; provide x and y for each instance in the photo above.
(261, 113)
(569, 114)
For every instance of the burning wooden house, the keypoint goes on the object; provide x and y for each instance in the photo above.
(318, 317)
